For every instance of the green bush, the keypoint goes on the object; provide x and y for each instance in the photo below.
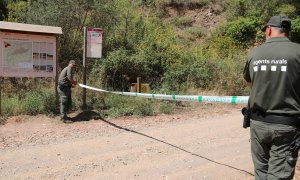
(288, 10)
(137, 42)
(196, 31)
(222, 46)
(191, 71)
(111, 70)
(262, 10)
(191, 4)
(33, 103)
(182, 21)
(49, 102)
(229, 78)
(166, 107)
(11, 106)
(147, 58)
(127, 106)
(242, 30)
(295, 33)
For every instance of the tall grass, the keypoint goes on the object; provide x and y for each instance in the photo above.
(11, 106)
(182, 21)
(127, 106)
(31, 103)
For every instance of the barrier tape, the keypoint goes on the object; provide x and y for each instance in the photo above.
(222, 99)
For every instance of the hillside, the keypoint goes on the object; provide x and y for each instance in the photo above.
(176, 46)
(194, 23)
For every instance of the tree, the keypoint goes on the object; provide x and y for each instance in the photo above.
(71, 15)
(3, 10)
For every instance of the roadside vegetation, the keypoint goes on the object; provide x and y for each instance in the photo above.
(177, 46)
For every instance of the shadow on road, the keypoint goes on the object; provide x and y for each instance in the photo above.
(86, 116)
(184, 150)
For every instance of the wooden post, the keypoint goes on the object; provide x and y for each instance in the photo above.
(84, 70)
(138, 85)
(1, 98)
(1, 83)
(56, 76)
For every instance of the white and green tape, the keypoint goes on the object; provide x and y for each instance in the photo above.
(221, 99)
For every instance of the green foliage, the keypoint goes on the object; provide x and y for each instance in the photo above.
(20, 86)
(72, 16)
(3, 119)
(182, 21)
(228, 80)
(114, 67)
(146, 57)
(197, 32)
(166, 107)
(11, 106)
(191, 71)
(130, 26)
(249, 8)
(242, 30)
(228, 59)
(48, 100)
(31, 103)
(188, 3)
(287, 9)
(139, 43)
(295, 33)
(261, 10)
(10, 9)
(128, 106)
(14, 9)
(3, 10)
(222, 46)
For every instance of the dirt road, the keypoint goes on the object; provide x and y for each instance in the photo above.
(206, 143)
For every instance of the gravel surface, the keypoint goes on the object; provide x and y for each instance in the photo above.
(206, 142)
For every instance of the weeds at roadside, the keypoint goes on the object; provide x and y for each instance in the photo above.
(3, 119)
(166, 107)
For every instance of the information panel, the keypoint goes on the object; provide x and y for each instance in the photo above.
(27, 55)
(94, 43)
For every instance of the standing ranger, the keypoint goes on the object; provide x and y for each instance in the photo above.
(273, 72)
(65, 82)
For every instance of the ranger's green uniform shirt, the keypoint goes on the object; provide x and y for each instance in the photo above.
(274, 71)
(63, 77)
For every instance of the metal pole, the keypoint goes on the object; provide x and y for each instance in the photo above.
(84, 70)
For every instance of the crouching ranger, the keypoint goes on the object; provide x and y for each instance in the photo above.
(273, 72)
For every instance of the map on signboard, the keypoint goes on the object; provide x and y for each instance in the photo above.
(17, 54)
(26, 55)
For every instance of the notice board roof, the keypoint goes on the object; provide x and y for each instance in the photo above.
(10, 26)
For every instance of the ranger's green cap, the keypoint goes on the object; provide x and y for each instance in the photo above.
(72, 62)
(280, 20)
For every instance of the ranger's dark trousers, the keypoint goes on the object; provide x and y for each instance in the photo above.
(65, 100)
(270, 148)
